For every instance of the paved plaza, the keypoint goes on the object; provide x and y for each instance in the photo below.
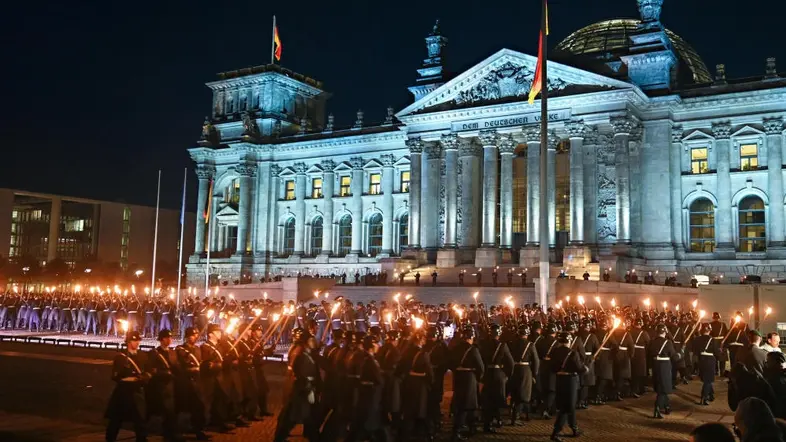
(52, 393)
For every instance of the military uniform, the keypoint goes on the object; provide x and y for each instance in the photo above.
(160, 390)
(567, 365)
(300, 405)
(418, 376)
(499, 367)
(639, 360)
(708, 350)
(190, 397)
(662, 352)
(525, 370)
(468, 369)
(591, 345)
(127, 402)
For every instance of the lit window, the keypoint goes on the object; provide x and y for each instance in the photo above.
(375, 235)
(316, 236)
(344, 189)
(702, 226)
(289, 192)
(403, 232)
(345, 235)
(698, 160)
(233, 191)
(316, 188)
(753, 237)
(375, 184)
(75, 225)
(35, 215)
(749, 157)
(289, 237)
(405, 182)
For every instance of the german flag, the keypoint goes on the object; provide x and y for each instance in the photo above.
(209, 204)
(276, 41)
(537, 82)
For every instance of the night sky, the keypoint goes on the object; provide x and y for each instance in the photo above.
(100, 95)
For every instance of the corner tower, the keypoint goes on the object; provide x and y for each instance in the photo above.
(432, 74)
(652, 59)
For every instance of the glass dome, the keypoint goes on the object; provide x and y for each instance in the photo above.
(607, 40)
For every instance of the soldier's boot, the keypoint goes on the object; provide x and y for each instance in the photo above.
(657, 414)
(576, 431)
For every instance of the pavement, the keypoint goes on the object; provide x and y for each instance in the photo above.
(52, 393)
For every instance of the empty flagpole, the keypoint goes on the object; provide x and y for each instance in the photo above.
(544, 128)
(273, 43)
(155, 237)
(209, 246)
(182, 230)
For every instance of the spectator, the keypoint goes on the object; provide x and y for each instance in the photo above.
(775, 374)
(713, 432)
(772, 342)
(754, 422)
(752, 355)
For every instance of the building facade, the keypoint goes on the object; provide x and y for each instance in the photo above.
(85, 230)
(653, 164)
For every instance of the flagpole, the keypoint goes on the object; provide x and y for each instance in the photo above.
(155, 238)
(209, 246)
(544, 127)
(273, 43)
(182, 231)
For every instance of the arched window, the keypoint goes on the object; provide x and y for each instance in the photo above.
(752, 225)
(316, 236)
(374, 234)
(289, 237)
(403, 232)
(345, 235)
(232, 193)
(702, 226)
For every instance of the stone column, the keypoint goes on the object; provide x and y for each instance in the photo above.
(507, 145)
(725, 248)
(635, 182)
(274, 194)
(774, 129)
(415, 146)
(532, 135)
(204, 175)
(356, 187)
(429, 235)
(622, 126)
(551, 191)
(328, 183)
(388, 178)
(300, 208)
(469, 154)
(652, 229)
(489, 139)
(246, 172)
(576, 130)
(450, 143)
(213, 224)
(675, 184)
(54, 228)
(590, 180)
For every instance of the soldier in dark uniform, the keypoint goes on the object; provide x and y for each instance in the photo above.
(499, 367)
(369, 423)
(587, 381)
(467, 366)
(248, 383)
(189, 384)
(160, 390)
(708, 350)
(127, 402)
(215, 386)
(546, 377)
(737, 339)
(638, 362)
(604, 363)
(525, 370)
(418, 376)
(718, 331)
(567, 365)
(233, 379)
(321, 319)
(389, 357)
(622, 355)
(300, 401)
(258, 354)
(662, 352)
(438, 354)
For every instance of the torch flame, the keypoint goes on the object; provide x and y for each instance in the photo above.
(210, 313)
(316, 293)
(335, 307)
(767, 312)
(567, 299)
(581, 300)
(665, 305)
(417, 321)
(647, 302)
(617, 322)
(276, 317)
(257, 311)
(702, 314)
(695, 303)
(750, 310)
(737, 319)
(407, 298)
(613, 302)
(123, 325)
(231, 326)
(475, 295)
(264, 295)
(597, 299)
(396, 296)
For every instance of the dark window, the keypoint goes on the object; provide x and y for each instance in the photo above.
(403, 232)
(316, 236)
(375, 235)
(753, 237)
(345, 235)
(702, 226)
(289, 237)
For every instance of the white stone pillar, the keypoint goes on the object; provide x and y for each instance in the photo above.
(388, 178)
(590, 180)
(246, 172)
(653, 212)
(469, 154)
(450, 144)
(489, 138)
(300, 208)
(204, 175)
(675, 184)
(54, 228)
(576, 130)
(356, 187)
(415, 146)
(725, 248)
(551, 191)
(429, 235)
(622, 127)
(532, 135)
(328, 184)
(507, 145)
(274, 193)
(774, 129)
(635, 183)
(216, 246)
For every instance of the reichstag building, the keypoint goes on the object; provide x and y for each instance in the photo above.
(655, 163)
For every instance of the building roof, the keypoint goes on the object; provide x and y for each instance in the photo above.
(607, 40)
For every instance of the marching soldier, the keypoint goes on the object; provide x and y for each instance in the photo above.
(418, 374)
(622, 355)
(161, 389)
(525, 370)
(604, 363)
(215, 386)
(438, 354)
(258, 354)
(467, 366)
(389, 357)
(591, 344)
(189, 383)
(499, 367)
(639, 358)
(662, 352)
(234, 382)
(719, 329)
(127, 402)
(708, 350)
(300, 401)
(248, 385)
(567, 365)
(546, 378)
(369, 421)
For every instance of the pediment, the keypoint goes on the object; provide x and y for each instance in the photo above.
(403, 161)
(747, 131)
(287, 171)
(698, 135)
(507, 76)
(315, 169)
(372, 164)
(342, 167)
(227, 211)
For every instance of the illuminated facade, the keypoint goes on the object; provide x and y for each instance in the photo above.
(653, 164)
